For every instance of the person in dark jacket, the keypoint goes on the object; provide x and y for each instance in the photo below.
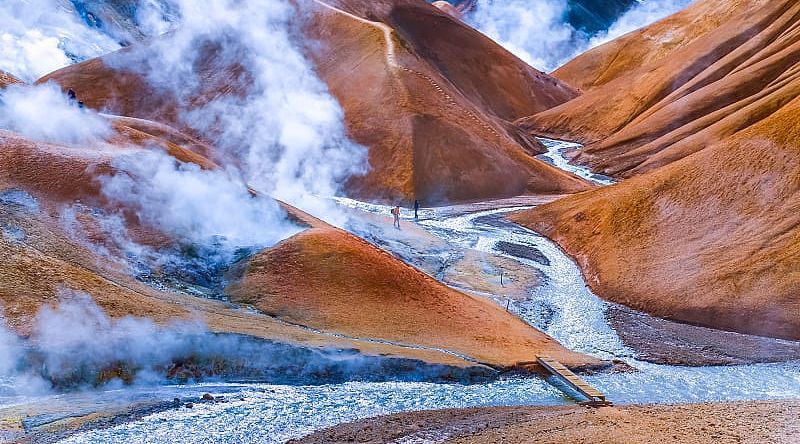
(416, 210)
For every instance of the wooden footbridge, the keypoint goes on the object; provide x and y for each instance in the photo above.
(595, 398)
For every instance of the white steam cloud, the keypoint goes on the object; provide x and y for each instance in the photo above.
(77, 333)
(283, 135)
(76, 344)
(537, 32)
(644, 13)
(285, 132)
(154, 17)
(72, 342)
(191, 205)
(43, 113)
(40, 36)
(199, 206)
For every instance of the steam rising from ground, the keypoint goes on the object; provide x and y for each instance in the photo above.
(643, 14)
(210, 213)
(199, 206)
(538, 33)
(43, 113)
(76, 344)
(40, 36)
(279, 130)
(533, 31)
(285, 132)
(78, 334)
(74, 341)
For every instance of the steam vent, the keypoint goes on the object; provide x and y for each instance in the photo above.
(399, 221)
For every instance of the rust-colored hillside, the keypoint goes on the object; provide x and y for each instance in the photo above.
(39, 258)
(434, 121)
(712, 239)
(435, 115)
(332, 281)
(685, 83)
(651, 44)
(43, 252)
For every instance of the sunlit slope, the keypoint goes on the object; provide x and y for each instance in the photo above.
(332, 281)
(712, 239)
(650, 44)
(55, 234)
(740, 68)
(431, 98)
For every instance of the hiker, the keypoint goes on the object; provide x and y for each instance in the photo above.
(416, 210)
(396, 213)
(73, 99)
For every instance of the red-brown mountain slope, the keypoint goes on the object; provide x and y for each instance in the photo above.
(712, 239)
(430, 97)
(650, 44)
(431, 115)
(740, 69)
(320, 278)
(42, 252)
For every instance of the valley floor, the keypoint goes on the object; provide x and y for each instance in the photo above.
(462, 247)
(741, 422)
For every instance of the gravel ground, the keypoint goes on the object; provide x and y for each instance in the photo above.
(743, 422)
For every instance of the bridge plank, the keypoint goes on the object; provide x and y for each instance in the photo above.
(581, 386)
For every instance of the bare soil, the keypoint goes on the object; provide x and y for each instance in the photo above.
(662, 341)
(744, 422)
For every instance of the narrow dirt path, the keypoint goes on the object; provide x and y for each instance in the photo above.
(392, 63)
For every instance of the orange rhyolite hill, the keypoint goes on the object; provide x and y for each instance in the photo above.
(671, 89)
(429, 96)
(712, 236)
(320, 278)
(42, 252)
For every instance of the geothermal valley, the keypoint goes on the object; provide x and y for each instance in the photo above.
(399, 221)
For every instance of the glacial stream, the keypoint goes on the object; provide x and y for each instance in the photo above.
(563, 307)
